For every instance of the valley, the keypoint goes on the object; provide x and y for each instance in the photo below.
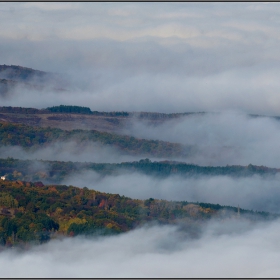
(37, 207)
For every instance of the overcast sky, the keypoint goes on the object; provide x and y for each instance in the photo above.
(167, 57)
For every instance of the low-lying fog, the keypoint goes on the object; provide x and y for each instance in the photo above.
(158, 57)
(70, 151)
(230, 137)
(227, 138)
(234, 248)
(253, 193)
(220, 139)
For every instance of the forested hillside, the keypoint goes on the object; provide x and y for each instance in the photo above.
(57, 171)
(33, 212)
(86, 110)
(28, 136)
(19, 73)
(33, 77)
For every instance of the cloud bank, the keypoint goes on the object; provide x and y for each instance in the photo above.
(230, 137)
(69, 151)
(234, 249)
(165, 57)
(253, 193)
(227, 138)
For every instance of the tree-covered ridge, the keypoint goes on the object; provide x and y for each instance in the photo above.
(57, 171)
(35, 212)
(21, 110)
(19, 73)
(73, 109)
(62, 109)
(70, 109)
(22, 75)
(28, 136)
(82, 110)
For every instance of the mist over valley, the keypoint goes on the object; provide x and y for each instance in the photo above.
(139, 139)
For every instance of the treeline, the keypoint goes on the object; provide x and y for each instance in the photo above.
(157, 116)
(70, 109)
(56, 171)
(166, 168)
(21, 110)
(34, 212)
(29, 136)
(84, 110)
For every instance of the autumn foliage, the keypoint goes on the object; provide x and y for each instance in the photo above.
(34, 212)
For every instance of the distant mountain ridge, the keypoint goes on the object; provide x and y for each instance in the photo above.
(68, 117)
(56, 171)
(13, 77)
(73, 109)
(21, 74)
(30, 136)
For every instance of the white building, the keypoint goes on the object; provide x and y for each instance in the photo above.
(3, 177)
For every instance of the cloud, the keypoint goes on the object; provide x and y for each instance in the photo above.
(229, 137)
(165, 57)
(103, 90)
(254, 193)
(259, 193)
(69, 151)
(50, 6)
(234, 249)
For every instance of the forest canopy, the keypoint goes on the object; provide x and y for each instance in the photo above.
(34, 212)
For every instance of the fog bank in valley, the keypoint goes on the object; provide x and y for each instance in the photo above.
(214, 139)
(253, 193)
(70, 151)
(235, 248)
(228, 137)
(220, 58)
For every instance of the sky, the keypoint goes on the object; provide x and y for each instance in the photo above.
(165, 57)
